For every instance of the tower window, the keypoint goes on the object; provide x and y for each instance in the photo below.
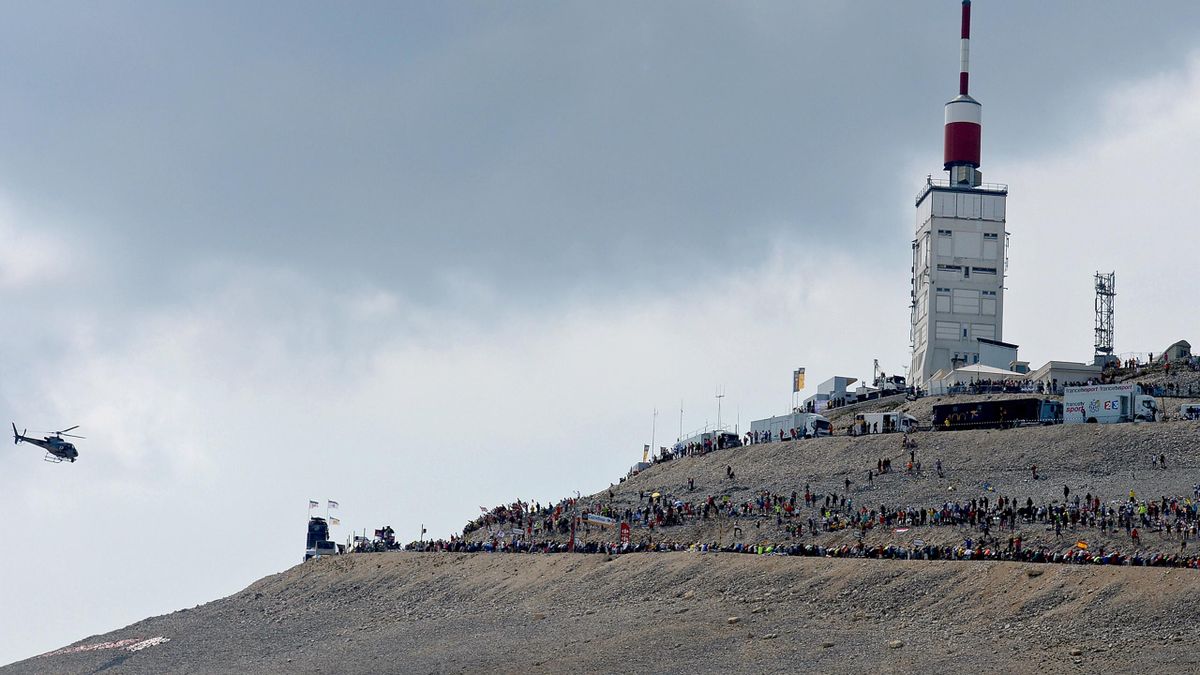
(946, 330)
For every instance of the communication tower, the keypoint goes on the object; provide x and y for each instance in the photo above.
(960, 249)
(1106, 292)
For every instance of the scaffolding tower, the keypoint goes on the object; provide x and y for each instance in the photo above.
(1106, 291)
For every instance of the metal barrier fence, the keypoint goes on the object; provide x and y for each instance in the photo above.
(1192, 390)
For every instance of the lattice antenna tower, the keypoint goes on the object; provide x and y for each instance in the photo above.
(1106, 292)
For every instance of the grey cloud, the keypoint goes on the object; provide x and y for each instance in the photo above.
(534, 146)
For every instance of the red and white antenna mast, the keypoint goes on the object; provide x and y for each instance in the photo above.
(964, 118)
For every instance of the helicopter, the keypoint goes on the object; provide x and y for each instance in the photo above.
(57, 449)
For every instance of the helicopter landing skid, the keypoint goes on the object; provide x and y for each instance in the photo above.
(53, 458)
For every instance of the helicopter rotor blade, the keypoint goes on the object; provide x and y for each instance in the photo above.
(72, 436)
(67, 429)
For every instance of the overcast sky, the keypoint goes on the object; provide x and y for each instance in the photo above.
(420, 258)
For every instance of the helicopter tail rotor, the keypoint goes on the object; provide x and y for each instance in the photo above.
(16, 436)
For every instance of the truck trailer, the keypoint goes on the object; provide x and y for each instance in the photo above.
(808, 425)
(718, 439)
(1108, 404)
(996, 414)
(883, 423)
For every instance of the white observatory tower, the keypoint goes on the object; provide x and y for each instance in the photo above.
(960, 251)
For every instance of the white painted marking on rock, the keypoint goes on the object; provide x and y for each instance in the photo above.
(147, 643)
(128, 644)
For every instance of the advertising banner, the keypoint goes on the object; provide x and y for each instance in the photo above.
(602, 521)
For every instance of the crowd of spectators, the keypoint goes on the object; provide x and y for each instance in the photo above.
(990, 386)
(792, 434)
(989, 526)
(966, 551)
(522, 515)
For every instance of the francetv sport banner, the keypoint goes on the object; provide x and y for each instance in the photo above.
(797, 380)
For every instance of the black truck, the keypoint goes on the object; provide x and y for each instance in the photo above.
(996, 414)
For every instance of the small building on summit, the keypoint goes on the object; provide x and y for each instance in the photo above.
(1180, 351)
(834, 389)
(1057, 374)
(996, 354)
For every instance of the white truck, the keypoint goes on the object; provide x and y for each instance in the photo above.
(716, 440)
(1108, 403)
(883, 423)
(810, 425)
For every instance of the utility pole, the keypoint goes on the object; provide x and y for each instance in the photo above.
(681, 419)
(653, 429)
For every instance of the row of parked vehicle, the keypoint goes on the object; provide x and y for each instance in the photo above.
(1098, 404)
(1093, 404)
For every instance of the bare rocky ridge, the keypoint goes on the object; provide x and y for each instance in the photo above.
(670, 612)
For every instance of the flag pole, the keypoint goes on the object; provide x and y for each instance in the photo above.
(653, 428)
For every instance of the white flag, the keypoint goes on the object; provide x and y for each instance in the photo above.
(312, 504)
(332, 504)
(334, 521)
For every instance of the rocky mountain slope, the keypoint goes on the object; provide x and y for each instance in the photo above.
(666, 612)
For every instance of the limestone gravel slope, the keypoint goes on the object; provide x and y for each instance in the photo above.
(669, 612)
(1107, 460)
(1103, 460)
